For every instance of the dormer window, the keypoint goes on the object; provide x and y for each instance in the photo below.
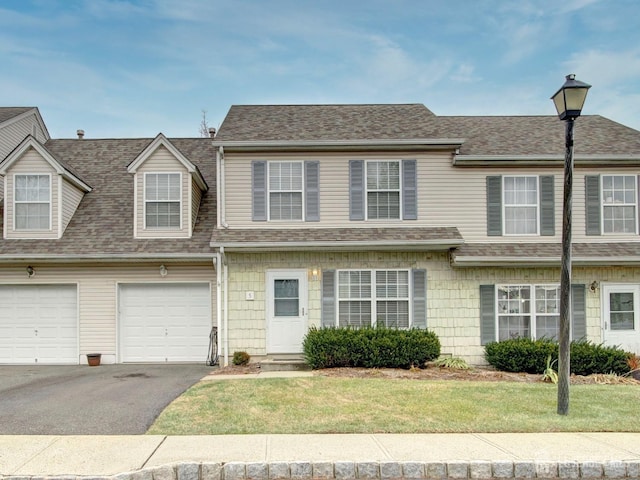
(162, 200)
(32, 202)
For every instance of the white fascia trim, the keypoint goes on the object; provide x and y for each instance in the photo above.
(432, 245)
(542, 261)
(28, 113)
(366, 143)
(99, 258)
(544, 160)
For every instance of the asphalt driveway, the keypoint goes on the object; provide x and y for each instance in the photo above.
(83, 400)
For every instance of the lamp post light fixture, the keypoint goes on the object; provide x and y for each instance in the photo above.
(568, 100)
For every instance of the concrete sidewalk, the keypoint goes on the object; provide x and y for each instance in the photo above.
(379, 456)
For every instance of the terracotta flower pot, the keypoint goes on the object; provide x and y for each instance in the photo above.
(94, 359)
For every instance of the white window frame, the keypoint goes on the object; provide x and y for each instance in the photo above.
(506, 205)
(389, 190)
(603, 204)
(302, 192)
(145, 201)
(533, 313)
(17, 202)
(373, 298)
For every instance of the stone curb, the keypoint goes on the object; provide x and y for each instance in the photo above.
(383, 470)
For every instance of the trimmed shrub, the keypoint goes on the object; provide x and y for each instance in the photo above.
(241, 358)
(530, 356)
(368, 347)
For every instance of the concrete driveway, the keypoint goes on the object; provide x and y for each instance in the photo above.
(83, 400)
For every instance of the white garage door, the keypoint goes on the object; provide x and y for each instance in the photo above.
(38, 324)
(164, 322)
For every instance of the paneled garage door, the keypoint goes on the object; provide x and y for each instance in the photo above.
(164, 322)
(38, 324)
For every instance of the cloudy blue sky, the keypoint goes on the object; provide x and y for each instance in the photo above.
(131, 68)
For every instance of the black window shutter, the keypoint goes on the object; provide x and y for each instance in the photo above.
(419, 298)
(487, 314)
(592, 200)
(578, 312)
(259, 191)
(547, 206)
(494, 206)
(328, 298)
(409, 190)
(312, 190)
(356, 189)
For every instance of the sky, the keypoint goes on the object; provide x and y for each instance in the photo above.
(134, 68)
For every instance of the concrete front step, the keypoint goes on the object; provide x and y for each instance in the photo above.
(284, 364)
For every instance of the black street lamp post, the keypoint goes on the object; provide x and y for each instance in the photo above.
(568, 101)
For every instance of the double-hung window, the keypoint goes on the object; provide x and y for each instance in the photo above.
(286, 180)
(520, 203)
(383, 190)
(619, 204)
(527, 311)
(32, 202)
(370, 298)
(162, 200)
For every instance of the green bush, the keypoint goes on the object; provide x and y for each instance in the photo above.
(530, 356)
(241, 358)
(369, 347)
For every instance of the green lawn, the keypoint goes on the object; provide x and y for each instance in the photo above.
(348, 405)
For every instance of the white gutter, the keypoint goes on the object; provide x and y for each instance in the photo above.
(336, 245)
(475, 261)
(99, 258)
(431, 143)
(538, 160)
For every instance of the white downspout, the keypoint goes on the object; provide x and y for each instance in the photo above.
(221, 188)
(225, 294)
(217, 260)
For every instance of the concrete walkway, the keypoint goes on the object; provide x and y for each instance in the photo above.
(380, 456)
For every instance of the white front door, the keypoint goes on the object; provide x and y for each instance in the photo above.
(621, 307)
(286, 310)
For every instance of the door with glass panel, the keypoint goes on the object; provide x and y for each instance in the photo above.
(620, 311)
(287, 310)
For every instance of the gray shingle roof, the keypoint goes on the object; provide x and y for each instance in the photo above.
(325, 122)
(339, 237)
(7, 113)
(485, 135)
(103, 222)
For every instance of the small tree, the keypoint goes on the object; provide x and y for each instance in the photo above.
(204, 125)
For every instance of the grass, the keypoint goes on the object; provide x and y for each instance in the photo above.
(347, 405)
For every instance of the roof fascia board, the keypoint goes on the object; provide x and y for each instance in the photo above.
(161, 140)
(542, 160)
(476, 261)
(413, 144)
(99, 258)
(31, 142)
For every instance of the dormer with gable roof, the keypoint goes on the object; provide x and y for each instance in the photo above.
(41, 193)
(168, 188)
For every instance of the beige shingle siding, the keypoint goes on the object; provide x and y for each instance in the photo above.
(31, 163)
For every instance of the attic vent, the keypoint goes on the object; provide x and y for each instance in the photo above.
(80, 134)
